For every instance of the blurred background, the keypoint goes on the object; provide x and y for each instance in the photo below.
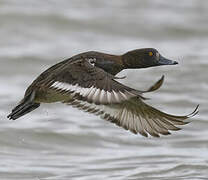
(57, 142)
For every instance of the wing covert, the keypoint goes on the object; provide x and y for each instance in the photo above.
(87, 82)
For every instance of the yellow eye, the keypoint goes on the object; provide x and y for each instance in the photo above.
(150, 53)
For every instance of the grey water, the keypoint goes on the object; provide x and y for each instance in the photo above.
(57, 142)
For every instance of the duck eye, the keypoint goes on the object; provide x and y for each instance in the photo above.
(150, 53)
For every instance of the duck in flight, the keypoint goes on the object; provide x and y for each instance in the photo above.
(88, 81)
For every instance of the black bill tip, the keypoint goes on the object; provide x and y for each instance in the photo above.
(175, 62)
(164, 61)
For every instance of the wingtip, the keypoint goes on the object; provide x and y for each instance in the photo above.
(156, 85)
(195, 112)
(162, 79)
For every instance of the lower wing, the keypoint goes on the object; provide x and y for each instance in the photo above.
(136, 116)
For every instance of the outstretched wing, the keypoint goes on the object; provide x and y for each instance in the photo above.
(96, 91)
(86, 82)
(136, 116)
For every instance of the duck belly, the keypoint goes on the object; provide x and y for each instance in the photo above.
(51, 96)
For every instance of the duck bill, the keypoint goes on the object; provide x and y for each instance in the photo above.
(164, 61)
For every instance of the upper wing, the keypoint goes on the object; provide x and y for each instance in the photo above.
(86, 82)
(136, 116)
(98, 92)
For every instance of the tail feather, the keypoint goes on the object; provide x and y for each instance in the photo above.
(25, 106)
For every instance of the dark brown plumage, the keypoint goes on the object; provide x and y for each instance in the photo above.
(87, 81)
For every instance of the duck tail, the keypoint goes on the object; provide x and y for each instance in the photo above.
(25, 106)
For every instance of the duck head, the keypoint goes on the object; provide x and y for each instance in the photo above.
(143, 58)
